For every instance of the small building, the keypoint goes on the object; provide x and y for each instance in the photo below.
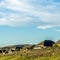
(5, 50)
(40, 45)
(44, 44)
(18, 47)
(12, 49)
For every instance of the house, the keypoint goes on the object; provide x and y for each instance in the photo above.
(5, 50)
(44, 44)
(12, 49)
(40, 45)
(18, 47)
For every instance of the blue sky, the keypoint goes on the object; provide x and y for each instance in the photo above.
(29, 21)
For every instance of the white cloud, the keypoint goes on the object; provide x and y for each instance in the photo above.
(46, 12)
(13, 20)
(58, 30)
(47, 26)
(44, 27)
(17, 5)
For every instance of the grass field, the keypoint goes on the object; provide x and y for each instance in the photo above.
(44, 54)
(17, 57)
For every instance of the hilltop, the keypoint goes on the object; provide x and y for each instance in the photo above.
(40, 44)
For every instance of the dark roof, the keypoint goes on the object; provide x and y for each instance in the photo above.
(19, 45)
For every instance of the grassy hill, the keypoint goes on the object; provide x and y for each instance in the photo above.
(18, 57)
(48, 53)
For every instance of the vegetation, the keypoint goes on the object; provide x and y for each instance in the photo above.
(18, 57)
(51, 52)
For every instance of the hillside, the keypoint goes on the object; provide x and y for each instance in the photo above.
(27, 52)
(17, 57)
(51, 53)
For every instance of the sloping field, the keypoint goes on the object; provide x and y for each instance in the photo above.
(24, 58)
(51, 53)
(13, 58)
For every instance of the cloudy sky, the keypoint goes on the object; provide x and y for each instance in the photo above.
(29, 21)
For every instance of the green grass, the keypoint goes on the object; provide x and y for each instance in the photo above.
(18, 57)
(49, 58)
(44, 54)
